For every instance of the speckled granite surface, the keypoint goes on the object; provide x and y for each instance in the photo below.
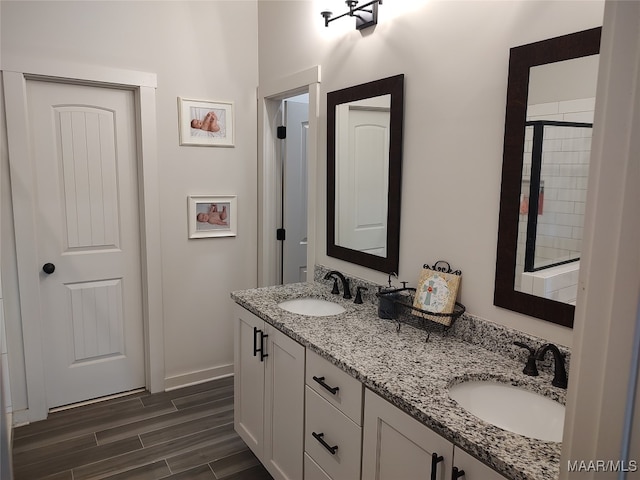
(414, 375)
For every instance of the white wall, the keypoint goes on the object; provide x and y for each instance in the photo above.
(454, 55)
(199, 50)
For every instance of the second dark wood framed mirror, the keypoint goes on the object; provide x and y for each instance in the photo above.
(523, 193)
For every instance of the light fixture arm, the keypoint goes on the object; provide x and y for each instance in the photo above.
(364, 17)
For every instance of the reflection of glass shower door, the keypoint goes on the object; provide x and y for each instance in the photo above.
(553, 194)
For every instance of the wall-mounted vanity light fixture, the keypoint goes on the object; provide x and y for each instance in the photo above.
(366, 15)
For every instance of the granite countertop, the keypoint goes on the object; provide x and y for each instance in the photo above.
(415, 375)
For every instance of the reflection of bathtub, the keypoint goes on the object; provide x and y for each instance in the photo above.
(556, 283)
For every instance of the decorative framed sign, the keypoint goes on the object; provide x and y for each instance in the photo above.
(212, 216)
(436, 292)
(205, 123)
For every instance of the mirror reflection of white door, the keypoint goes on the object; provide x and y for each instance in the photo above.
(294, 248)
(85, 188)
(362, 178)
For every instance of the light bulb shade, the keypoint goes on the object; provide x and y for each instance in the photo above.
(366, 18)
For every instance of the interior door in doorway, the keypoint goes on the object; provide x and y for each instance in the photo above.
(88, 241)
(294, 249)
(362, 178)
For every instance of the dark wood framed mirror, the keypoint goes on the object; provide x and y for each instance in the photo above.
(521, 62)
(364, 173)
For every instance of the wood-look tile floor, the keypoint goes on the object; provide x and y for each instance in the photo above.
(184, 434)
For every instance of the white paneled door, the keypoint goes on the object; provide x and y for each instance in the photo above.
(362, 179)
(87, 223)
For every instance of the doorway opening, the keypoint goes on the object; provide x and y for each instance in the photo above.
(293, 133)
(285, 176)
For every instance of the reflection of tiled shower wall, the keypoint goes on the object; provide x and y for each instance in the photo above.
(557, 283)
(565, 169)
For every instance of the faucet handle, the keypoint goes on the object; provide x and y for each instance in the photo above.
(532, 350)
(359, 294)
(530, 368)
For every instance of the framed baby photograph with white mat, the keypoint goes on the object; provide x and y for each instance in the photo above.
(212, 216)
(205, 123)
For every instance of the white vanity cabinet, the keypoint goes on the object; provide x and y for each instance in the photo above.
(333, 422)
(395, 446)
(269, 394)
(473, 469)
(305, 418)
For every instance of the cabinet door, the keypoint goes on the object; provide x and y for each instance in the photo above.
(473, 469)
(398, 447)
(284, 406)
(248, 400)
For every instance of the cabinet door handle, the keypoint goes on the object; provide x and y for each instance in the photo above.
(260, 350)
(320, 380)
(435, 460)
(318, 436)
(255, 340)
(262, 354)
(455, 474)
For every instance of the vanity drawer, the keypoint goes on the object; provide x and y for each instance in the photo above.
(312, 470)
(327, 429)
(346, 395)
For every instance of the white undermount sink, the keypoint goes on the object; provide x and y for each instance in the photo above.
(313, 307)
(511, 408)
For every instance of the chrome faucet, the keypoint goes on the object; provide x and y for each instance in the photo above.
(345, 283)
(560, 375)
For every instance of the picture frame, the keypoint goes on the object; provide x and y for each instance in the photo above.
(206, 123)
(436, 292)
(212, 216)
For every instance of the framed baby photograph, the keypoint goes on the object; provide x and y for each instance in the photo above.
(205, 123)
(212, 216)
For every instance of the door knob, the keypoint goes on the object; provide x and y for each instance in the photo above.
(48, 268)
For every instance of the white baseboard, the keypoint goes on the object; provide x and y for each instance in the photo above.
(200, 376)
(20, 417)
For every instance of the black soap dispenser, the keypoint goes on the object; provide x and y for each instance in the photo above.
(386, 300)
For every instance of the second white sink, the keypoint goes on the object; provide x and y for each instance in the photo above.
(511, 408)
(313, 307)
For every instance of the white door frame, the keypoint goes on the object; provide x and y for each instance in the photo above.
(602, 382)
(16, 71)
(269, 97)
